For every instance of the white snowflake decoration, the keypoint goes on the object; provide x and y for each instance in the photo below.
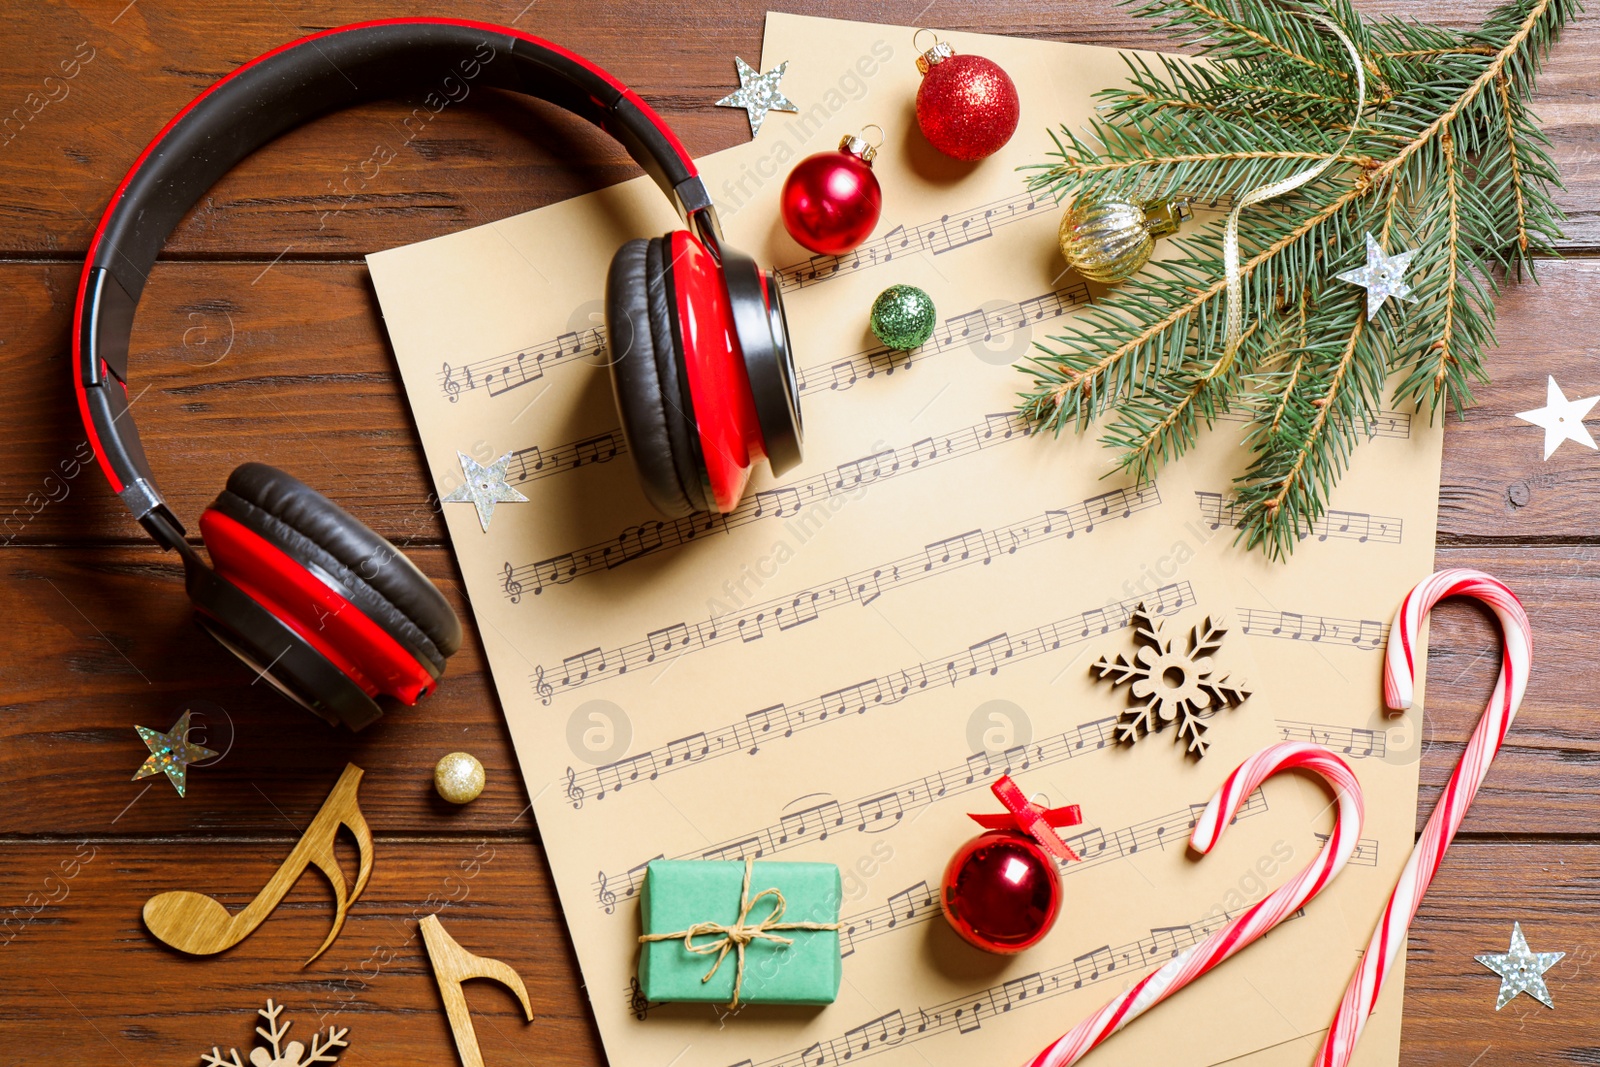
(281, 1055)
(1173, 685)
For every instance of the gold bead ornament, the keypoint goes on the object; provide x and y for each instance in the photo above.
(458, 777)
(1107, 240)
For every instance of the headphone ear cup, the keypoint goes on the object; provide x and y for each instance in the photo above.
(648, 379)
(317, 572)
(271, 647)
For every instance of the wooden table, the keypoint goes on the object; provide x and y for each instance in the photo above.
(259, 339)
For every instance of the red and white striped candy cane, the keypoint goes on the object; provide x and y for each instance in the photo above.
(1227, 940)
(1399, 686)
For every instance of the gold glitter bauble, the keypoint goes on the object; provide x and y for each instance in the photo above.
(1108, 240)
(458, 777)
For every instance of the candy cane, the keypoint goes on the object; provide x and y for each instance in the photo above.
(1399, 687)
(1227, 940)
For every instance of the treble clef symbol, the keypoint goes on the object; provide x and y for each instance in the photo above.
(452, 388)
(636, 1000)
(512, 587)
(542, 687)
(608, 899)
(574, 790)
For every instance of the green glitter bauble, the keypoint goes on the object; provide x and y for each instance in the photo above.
(903, 316)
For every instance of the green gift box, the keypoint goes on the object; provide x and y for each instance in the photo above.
(784, 917)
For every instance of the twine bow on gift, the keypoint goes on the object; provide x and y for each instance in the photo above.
(1035, 820)
(736, 936)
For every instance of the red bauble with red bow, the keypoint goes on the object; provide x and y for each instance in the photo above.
(1002, 890)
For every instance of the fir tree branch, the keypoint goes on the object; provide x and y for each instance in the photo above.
(1087, 380)
(1516, 166)
(1262, 522)
(1444, 346)
(1282, 403)
(1145, 162)
(1490, 73)
(1423, 53)
(1263, 40)
(1445, 162)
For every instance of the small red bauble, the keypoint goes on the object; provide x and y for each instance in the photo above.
(1001, 891)
(831, 200)
(967, 106)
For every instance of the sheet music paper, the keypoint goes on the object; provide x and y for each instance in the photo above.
(836, 670)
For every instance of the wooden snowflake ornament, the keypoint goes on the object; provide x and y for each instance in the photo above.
(281, 1055)
(1172, 684)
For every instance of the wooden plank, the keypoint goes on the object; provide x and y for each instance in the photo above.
(87, 982)
(102, 641)
(1496, 482)
(230, 367)
(289, 367)
(366, 179)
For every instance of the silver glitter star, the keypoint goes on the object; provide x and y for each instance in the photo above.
(1520, 970)
(1381, 277)
(758, 93)
(171, 753)
(484, 487)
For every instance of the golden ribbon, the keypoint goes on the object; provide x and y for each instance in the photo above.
(735, 937)
(1230, 241)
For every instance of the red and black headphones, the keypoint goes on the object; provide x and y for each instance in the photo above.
(322, 607)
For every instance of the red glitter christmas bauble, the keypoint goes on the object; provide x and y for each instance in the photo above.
(1001, 891)
(831, 200)
(967, 106)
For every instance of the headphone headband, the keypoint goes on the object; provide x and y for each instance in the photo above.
(263, 99)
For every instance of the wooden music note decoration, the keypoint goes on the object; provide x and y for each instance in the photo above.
(453, 965)
(197, 924)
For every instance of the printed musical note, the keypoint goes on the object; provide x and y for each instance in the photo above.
(1356, 743)
(535, 461)
(919, 903)
(822, 817)
(687, 749)
(1318, 629)
(755, 731)
(884, 1031)
(1391, 424)
(1365, 854)
(658, 536)
(967, 1014)
(939, 557)
(612, 777)
(501, 374)
(758, 724)
(944, 234)
(1219, 511)
(884, 807)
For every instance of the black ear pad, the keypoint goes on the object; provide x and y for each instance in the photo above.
(369, 571)
(647, 378)
(278, 654)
